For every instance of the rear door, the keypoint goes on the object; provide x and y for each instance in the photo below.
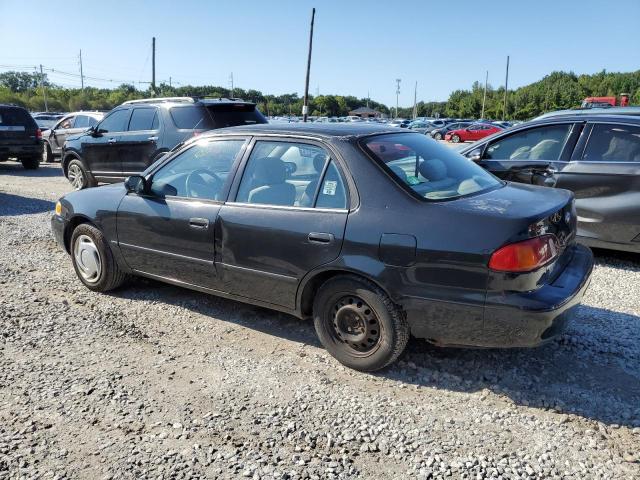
(138, 145)
(288, 217)
(604, 174)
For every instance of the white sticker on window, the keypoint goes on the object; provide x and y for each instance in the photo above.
(329, 187)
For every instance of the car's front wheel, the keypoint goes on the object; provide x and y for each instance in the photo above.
(455, 138)
(78, 175)
(93, 260)
(359, 324)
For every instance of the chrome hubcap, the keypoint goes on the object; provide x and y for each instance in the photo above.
(76, 177)
(87, 259)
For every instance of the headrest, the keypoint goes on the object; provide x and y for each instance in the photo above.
(319, 161)
(270, 171)
(433, 170)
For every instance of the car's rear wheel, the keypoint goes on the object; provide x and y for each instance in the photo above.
(359, 324)
(93, 260)
(438, 136)
(47, 154)
(30, 163)
(78, 175)
(455, 138)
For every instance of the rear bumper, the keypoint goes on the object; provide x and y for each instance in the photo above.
(515, 319)
(20, 150)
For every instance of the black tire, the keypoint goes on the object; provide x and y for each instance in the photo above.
(110, 275)
(455, 138)
(78, 175)
(438, 136)
(47, 154)
(379, 329)
(30, 163)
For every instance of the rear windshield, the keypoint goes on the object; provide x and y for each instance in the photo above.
(232, 115)
(10, 117)
(431, 170)
(191, 117)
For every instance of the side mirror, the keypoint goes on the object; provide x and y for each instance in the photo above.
(475, 155)
(135, 184)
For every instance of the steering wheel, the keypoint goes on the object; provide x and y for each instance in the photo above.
(198, 187)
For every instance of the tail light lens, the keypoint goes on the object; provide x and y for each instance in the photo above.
(38, 134)
(525, 256)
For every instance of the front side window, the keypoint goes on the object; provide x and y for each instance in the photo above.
(542, 143)
(289, 174)
(201, 171)
(613, 143)
(115, 121)
(429, 169)
(143, 119)
(66, 123)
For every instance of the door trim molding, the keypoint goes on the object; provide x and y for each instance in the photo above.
(278, 276)
(167, 254)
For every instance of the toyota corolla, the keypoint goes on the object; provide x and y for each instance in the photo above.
(375, 233)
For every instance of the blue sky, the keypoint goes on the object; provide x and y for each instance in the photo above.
(359, 46)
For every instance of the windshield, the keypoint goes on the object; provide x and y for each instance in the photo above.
(431, 170)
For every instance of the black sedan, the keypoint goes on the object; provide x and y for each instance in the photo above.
(595, 156)
(375, 233)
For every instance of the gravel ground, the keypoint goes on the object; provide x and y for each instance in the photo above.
(154, 381)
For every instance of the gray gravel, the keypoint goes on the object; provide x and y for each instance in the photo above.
(158, 382)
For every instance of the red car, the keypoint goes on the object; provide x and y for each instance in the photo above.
(472, 132)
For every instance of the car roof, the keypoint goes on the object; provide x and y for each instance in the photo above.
(309, 129)
(592, 111)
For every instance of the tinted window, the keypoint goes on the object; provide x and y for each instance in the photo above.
(92, 121)
(431, 170)
(15, 117)
(191, 117)
(288, 174)
(613, 143)
(143, 119)
(199, 172)
(115, 121)
(232, 115)
(542, 143)
(82, 121)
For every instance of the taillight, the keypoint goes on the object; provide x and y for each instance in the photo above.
(38, 134)
(525, 256)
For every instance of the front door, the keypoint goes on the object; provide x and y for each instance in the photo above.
(99, 149)
(605, 177)
(288, 217)
(169, 231)
(137, 146)
(60, 132)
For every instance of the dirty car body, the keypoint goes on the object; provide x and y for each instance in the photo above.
(413, 219)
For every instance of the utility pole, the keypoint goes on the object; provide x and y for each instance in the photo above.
(231, 82)
(415, 101)
(484, 98)
(153, 65)
(398, 80)
(44, 89)
(169, 81)
(81, 74)
(506, 87)
(305, 105)
(368, 98)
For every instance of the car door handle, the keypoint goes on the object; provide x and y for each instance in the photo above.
(153, 139)
(199, 223)
(111, 140)
(319, 237)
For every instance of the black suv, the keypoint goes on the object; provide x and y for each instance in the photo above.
(20, 136)
(134, 135)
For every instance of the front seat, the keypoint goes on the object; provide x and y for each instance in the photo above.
(271, 173)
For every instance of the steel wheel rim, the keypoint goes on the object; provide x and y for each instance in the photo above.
(76, 177)
(354, 326)
(87, 259)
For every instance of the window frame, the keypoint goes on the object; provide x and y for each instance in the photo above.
(174, 156)
(588, 130)
(333, 155)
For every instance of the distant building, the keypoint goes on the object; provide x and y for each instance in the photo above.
(365, 112)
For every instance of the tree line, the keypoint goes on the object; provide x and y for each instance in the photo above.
(557, 90)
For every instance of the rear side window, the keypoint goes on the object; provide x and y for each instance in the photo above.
(431, 170)
(234, 114)
(543, 143)
(12, 117)
(191, 117)
(143, 119)
(613, 143)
